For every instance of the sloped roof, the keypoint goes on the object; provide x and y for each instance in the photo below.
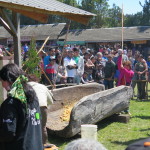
(109, 34)
(40, 9)
(40, 32)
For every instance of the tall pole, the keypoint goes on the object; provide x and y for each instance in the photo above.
(16, 39)
(122, 26)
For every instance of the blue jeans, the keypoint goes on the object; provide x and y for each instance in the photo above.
(77, 79)
(108, 84)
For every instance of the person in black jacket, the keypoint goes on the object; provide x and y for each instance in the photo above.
(20, 125)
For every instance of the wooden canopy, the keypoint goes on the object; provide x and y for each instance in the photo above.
(40, 9)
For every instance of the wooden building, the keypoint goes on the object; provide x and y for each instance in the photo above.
(38, 32)
(134, 37)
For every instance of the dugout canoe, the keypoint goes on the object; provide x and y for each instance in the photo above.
(92, 104)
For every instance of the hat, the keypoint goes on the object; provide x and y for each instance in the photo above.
(52, 58)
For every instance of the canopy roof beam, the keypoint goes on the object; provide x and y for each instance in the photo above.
(8, 21)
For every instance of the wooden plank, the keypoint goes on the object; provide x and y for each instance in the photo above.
(34, 15)
(8, 21)
(6, 26)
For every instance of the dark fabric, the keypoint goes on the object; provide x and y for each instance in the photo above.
(109, 69)
(108, 84)
(139, 145)
(20, 128)
(44, 120)
(141, 89)
(70, 80)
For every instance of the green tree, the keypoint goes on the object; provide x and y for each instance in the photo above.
(101, 9)
(30, 66)
(114, 17)
(146, 13)
(133, 20)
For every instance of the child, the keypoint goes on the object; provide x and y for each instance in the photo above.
(50, 69)
(100, 74)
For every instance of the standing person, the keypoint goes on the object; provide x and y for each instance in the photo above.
(60, 69)
(46, 58)
(83, 50)
(50, 70)
(25, 50)
(136, 55)
(80, 63)
(140, 72)
(88, 66)
(70, 66)
(131, 58)
(126, 74)
(20, 125)
(99, 74)
(44, 96)
(109, 71)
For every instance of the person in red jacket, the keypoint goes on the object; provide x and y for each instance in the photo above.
(50, 69)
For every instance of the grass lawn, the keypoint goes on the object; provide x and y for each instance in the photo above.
(115, 135)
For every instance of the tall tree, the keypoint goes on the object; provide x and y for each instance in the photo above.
(114, 16)
(133, 20)
(146, 13)
(99, 7)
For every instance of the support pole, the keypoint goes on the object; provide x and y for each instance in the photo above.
(122, 27)
(16, 39)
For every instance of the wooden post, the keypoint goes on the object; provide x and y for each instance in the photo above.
(16, 39)
(122, 26)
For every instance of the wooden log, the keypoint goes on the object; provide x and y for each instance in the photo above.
(90, 108)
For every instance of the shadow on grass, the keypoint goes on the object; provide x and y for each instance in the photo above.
(145, 129)
(127, 142)
(104, 123)
(142, 117)
(59, 141)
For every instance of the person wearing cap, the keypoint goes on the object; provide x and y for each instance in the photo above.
(70, 66)
(50, 69)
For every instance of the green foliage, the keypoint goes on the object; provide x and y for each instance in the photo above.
(114, 18)
(146, 13)
(133, 20)
(30, 66)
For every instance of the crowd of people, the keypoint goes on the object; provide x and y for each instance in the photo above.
(110, 67)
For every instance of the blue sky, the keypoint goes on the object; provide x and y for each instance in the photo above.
(129, 6)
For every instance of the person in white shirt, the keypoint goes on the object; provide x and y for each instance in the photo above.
(70, 66)
(80, 63)
(45, 98)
